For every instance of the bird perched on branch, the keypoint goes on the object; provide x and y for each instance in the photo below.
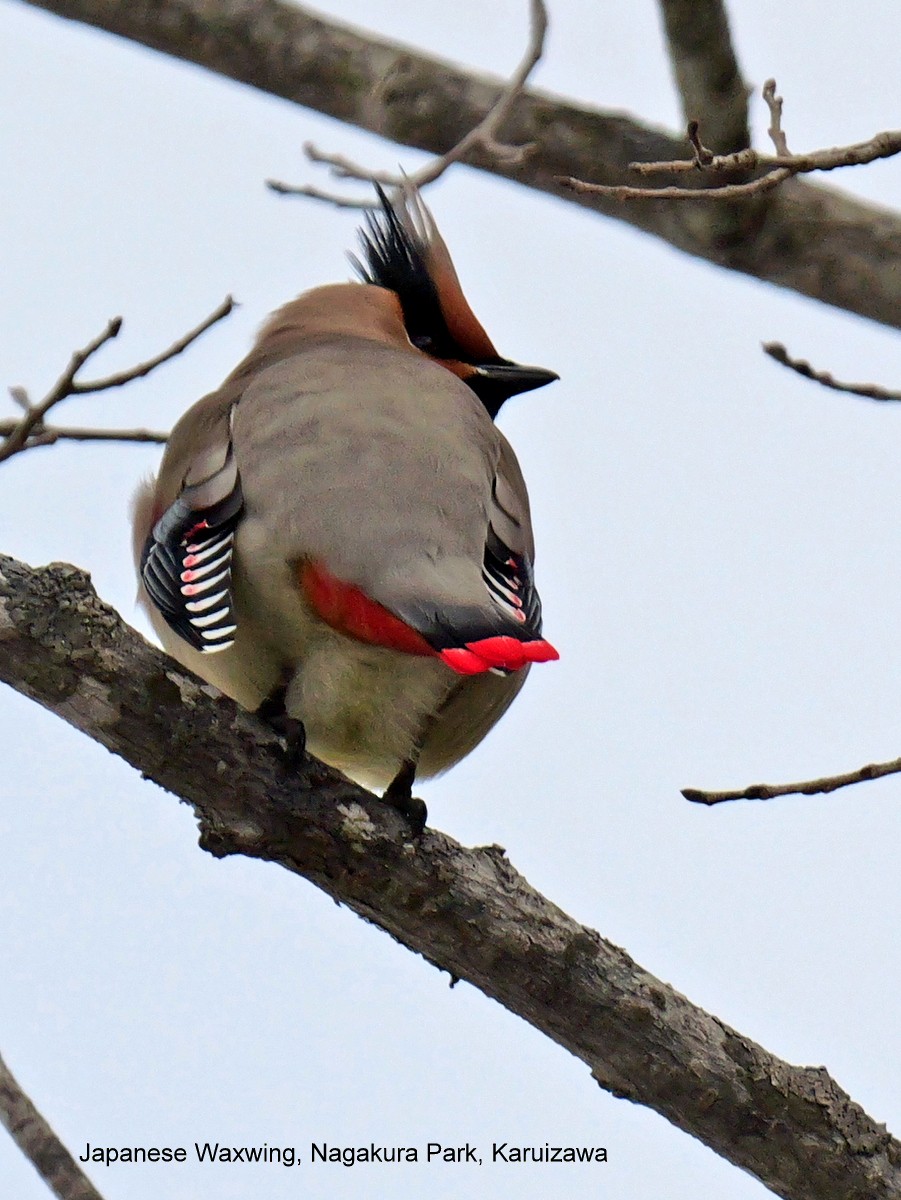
(339, 536)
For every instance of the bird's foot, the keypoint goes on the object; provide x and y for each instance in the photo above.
(289, 728)
(399, 794)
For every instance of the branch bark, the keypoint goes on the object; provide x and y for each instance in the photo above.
(485, 135)
(467, 911)
(707, 72)
(803, 236)
(40, 1145)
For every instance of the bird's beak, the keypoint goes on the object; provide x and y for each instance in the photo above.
(512, 378)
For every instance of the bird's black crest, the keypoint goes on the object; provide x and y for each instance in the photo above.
(394, 257)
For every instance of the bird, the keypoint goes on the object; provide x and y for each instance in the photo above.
(339, 536)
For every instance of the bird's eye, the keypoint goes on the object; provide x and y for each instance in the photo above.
(425, 343)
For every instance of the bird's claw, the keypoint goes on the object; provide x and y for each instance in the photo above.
(399, 794)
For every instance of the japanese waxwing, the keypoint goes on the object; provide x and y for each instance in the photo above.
(339, 536)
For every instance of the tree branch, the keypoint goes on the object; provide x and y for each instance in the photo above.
(871, 391)
(806, 237)
(774, 104)
(32, 420)
(810, 787)
(707, 71)
(30, 430)
(726, 191)
(76, 433)
(466, 910)
(777, 168)
(120, 378)
(40, 1145)
(484, 136)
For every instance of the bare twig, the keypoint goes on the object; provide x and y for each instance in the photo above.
(872, 391)
(315, 193)
(774, 104)
(729, 191)
(484, 137)
(70, 433)
(346, 168)
(39, 1144)
(810, 787)
(703, 156)
(777, 168)
(33, 419)
(144, 368)
(741, 160)
(30, 430)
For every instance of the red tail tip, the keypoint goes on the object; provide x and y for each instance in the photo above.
(508, 653)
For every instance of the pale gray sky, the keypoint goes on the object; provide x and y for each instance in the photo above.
(717, 559)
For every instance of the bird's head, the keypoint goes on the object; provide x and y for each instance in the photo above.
(403, 252)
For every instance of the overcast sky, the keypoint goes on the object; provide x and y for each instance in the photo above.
(718, 560)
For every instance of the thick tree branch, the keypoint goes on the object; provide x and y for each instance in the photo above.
(40, 1145)
(466, 910)
(485, 136)
(707, 72)
(805, 237)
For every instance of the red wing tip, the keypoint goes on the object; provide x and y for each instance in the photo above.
(542, 651)
(464, 662)
(508, 653)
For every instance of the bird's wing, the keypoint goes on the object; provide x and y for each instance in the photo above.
(186, 559)
(497, 625)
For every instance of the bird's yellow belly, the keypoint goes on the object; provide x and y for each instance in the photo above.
(366, 710)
